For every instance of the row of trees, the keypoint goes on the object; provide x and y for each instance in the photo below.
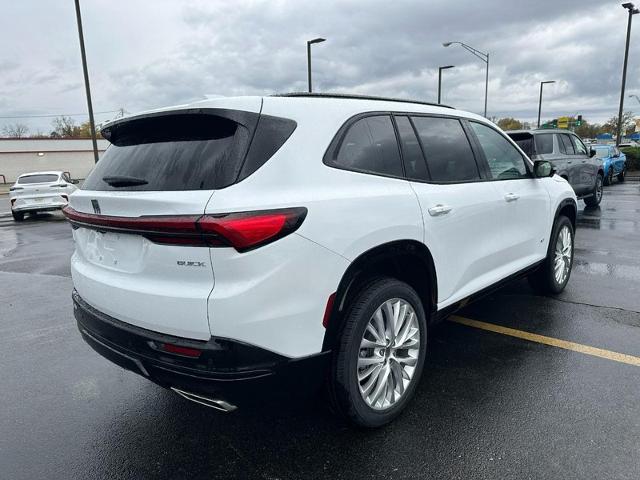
(62, 127)
(585, 130)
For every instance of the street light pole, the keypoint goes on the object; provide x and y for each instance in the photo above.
(440, 80)
(632, 11)
(482, 56)
(92, 123)
(540, 101)
(635, 96)
(309, 43)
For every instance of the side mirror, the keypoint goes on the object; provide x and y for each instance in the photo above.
(75, 182)
(543, 168)
(592, 153)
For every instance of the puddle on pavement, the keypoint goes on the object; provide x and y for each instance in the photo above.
(627, 272)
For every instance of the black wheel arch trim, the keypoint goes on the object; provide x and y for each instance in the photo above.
(358, 267)
(561, 206)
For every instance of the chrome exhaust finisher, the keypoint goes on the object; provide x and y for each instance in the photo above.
(221, 405)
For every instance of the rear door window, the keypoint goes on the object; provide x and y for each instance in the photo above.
(505, 162)
(544, 143)
(370, 145)
(414, 164)
(565, 144)
(447, 149)
(580, 149)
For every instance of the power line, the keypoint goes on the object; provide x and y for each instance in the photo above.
(57, 115)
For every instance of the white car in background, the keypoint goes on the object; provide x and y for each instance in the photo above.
(40, 192)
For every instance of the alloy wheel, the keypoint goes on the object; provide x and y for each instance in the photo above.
(563, 255)
(388, 354)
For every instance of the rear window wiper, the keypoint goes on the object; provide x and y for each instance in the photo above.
(124, 181)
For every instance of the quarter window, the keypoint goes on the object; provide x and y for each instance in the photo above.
(505, 162)
(414, 164)
(447, 149)
(370, 145)
(544, 143)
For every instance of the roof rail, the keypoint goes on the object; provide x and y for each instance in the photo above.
(357, 97)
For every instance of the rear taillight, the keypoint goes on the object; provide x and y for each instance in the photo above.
(242, 231)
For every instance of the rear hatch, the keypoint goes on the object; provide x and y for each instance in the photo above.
(139, 254)
(524, 141)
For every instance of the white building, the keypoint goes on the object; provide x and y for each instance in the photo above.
(21, 155)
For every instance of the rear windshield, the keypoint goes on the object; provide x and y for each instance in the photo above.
(187, 151)
(524, 141)
(45, 178)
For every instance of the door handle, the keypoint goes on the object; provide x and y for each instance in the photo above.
(511, 197)
(439, 210)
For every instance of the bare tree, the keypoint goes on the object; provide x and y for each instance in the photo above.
(16, 130)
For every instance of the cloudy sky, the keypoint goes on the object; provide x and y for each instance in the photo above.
(144, 54)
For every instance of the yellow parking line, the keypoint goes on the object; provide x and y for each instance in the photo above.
(554, 342)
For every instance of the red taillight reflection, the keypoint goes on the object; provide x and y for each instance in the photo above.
(178, 350)
(328, 310)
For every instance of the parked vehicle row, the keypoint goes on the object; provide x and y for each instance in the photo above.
(238, 247)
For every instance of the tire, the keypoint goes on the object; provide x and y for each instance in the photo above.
(18, 216)
(545, 280)
(596, 196)
(378, 404)
(622, 174)
(608, 180)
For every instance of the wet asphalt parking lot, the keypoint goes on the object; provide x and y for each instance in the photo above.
(489, 405)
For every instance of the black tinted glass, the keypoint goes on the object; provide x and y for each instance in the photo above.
(579, 146)
(567, 146)
(370, 145)
(45, 178)
(173, 152)
(414, 164)
(505, 162)
(544, 143)
(446, 147)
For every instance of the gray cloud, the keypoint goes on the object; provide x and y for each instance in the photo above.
(143, 57)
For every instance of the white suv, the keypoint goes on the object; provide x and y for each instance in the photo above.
(242, 247)
(40, 192)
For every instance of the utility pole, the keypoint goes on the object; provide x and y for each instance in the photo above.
(540, 101)
(309, 43)
(440, 80)
(86, 83)
(632, 11)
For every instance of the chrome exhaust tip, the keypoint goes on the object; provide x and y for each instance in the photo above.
(214, 403)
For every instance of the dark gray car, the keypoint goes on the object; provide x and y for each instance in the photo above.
(569, 156)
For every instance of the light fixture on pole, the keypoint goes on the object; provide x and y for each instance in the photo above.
(440, 80)
(540, 101)
(632, 11)
(635, 96)
(482, 56)
(309, 43)
(92, 123)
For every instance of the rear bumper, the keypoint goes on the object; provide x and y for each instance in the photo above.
(30, 205)
(229, 370)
